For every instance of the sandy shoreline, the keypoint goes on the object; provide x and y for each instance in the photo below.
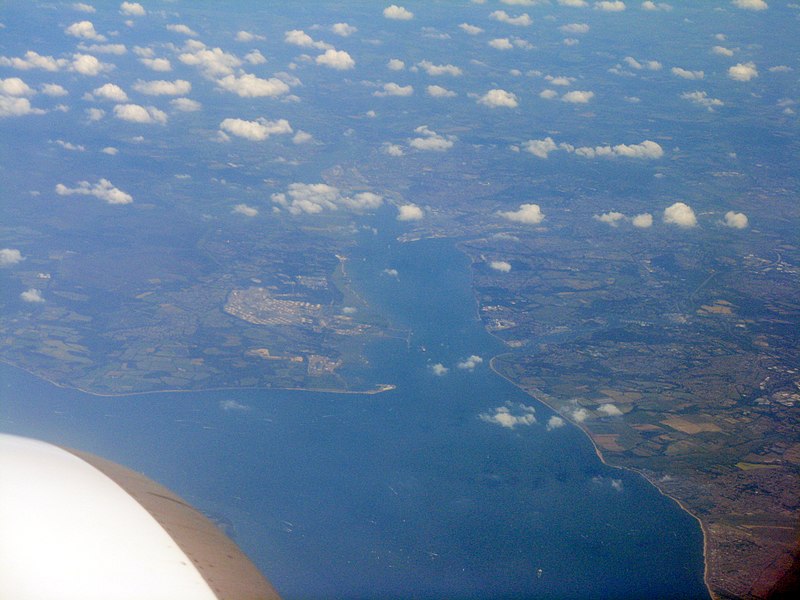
(645, 477)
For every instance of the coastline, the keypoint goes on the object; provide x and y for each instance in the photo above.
(378, 389)
(602, 458)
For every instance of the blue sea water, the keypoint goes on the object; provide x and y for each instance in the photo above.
(401, 494)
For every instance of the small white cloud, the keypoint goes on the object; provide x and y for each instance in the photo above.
(32, 295)
(86, 64)
(504, 416)
(103, 189)
(397, 13)
(736, 220)
(437, 91)
(470, 29)
(391, 273)
(499, 99)
(244, 209)
(182, 29)
(500, 265)
(233, 405)
(610, 5)
(179, 87)
(702, 99)
(246, 36)
(435, 70)
(554, 422)
(573, 3)
(396, 64)
(548, 94)
(751, 4)
(117, 49)
(686, 74)
(83, 7)
(577, 97)
(302, 137)
(139, 114)
(314, 198)
(574, 28)
(430, 140)
(609, 410)
(392, 149)
(680, 214)
(579, 415)
(650, 5)
(14, 86)
(10, 256)
(185, 104)
(34, 60)
(256, 131)
(161, 65)
(643, 221)
(409, 212)
(523, 20)
(439, 370)
(248, 85)
(469, 363)
(722, 51)
(53, 90)
(612, 218)
(336, 59)
(298, 37)
(110, 150)
(95, 114)
(529, 214)
(84, 30)
(394, 89)
(110, 91)
(132, 9)
(743, 71)
(343, 29)
(254, 57)
(501, 44)
(70, 146)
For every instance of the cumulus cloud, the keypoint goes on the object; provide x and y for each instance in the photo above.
(680, 214)
(430, 140)
(573, 3)
(579, 415)
(302, 137)
(470, 29)
(118, 49)
(529, 214)
(136, 113)
(254, 57)
(609, 410)
(643, 221)
(574, 28)
(743, 71)
(438, 91)
(110, 150)
(650, 5)
(70, 146)
(751, 4)
(650, 65)
(185, 104)
(109, 91)
(469, 363)
(501, 44)
(256, 131)
(298, 37)
(541, 148)
(161, 65)
(610, 5)
(390, 273)
(397, 13)
(394, 89)
(83, 7)
(577, 97)
(499, 99)
(95, 114)
(212, 62)
(103, 189)
(244, 209)
(34, 60)
(11, 106)
(233, 405)
(722, 51)
(32, 295)
(179, 87)
(644, 150)
(84, 30)
(409, 212)
(613, 218)
(522, 20)
(248, 85)
(10, 256)
(505, 417)
(392, 149)
(548, 94)
(336, 59)
(182, 29)
(314, 198)
(439, 369)
(686, 74)
(132, 9)
(702, 99)
(246, 36)
(14, 86)
(736, 220)
(554, 422)
(86, 64)
(500, 265)
(343, 29)
(435, 70)
(395, 64)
